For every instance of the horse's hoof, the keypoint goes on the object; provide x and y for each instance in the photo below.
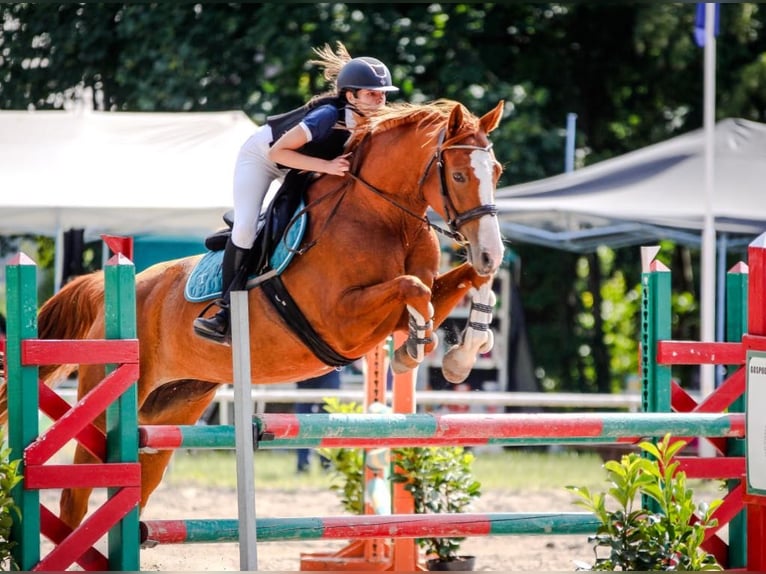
(489, 343)
(455, 377)
(453, 369)
(402, 361)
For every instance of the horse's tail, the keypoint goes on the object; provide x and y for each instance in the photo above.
(69, 314)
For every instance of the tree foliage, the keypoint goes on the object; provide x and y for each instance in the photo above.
(630, 71)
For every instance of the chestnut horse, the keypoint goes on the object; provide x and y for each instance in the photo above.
(372, 269)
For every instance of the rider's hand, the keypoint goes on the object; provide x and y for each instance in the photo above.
(338, 166)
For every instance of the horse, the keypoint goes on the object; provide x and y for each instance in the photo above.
(370, 268)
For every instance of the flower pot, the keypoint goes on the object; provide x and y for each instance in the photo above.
(460, 564)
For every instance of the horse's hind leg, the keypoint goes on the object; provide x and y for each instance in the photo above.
(177, 403)
(74, 501)
(153, 467)
(73, 505)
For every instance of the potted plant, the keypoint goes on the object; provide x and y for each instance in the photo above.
(440, 481)
(647, 516)
(439, 478)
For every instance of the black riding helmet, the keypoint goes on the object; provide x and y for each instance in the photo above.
(366, 74)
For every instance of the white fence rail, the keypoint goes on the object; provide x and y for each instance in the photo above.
(482, 401)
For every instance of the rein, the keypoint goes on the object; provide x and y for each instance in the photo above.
(424, 218)
(455, 220)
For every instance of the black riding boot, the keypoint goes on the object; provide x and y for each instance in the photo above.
(234, 277)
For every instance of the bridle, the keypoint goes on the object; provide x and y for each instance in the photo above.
(455, 220)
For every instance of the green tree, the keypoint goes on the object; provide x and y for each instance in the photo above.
(629, 70)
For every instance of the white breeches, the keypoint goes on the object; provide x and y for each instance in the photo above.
(253, 174)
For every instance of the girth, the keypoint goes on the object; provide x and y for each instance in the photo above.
(283, 303)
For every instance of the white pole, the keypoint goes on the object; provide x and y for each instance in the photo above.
(707, 264)
(570, 145)
(58, 259)
(243, 430)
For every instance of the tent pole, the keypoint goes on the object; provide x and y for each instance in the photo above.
(707, 279)
(720, 317)
(570, 146)
(58, 258)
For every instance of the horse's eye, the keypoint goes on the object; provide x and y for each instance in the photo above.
(458, 177)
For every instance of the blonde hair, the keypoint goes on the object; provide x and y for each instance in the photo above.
(331, 61)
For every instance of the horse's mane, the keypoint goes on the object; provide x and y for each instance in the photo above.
(431, 116)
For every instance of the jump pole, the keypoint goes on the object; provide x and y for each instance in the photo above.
(280, 431)
(243, 417)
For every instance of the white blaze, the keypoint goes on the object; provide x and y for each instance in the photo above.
(490, 241)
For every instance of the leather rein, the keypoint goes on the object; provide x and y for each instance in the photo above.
(455, 220)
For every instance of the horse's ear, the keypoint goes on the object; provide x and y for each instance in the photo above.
(491, 120)
(455, 120)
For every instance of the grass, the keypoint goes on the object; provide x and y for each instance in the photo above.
(508, 469)
(513, 469)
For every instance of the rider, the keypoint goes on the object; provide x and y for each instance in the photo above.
(310, 138)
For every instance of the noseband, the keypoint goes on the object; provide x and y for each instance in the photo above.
(455, 220)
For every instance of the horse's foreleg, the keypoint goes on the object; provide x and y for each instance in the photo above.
(451, 288)
(448, 290)
(477, 337)
(383, 301)
(421, 336)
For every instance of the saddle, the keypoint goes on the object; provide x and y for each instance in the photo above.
(277, 241)
(280, 213)
(284, 223)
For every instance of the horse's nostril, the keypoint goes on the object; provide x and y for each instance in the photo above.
(486, 260)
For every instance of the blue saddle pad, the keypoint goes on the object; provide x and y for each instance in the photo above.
(205, 282)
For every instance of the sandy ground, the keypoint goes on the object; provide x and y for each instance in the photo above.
(519, 553)
(498, 553)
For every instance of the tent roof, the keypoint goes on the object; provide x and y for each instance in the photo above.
(657, 192)
(117, 172)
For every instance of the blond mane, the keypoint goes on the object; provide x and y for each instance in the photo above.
(431, 116)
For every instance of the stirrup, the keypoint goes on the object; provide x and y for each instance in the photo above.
(221, 303)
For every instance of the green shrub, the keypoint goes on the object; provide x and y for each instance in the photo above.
(9, 477)
(635, 538)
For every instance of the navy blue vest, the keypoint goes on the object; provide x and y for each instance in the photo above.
(326, 148)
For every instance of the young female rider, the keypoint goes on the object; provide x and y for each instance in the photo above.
(310, 138)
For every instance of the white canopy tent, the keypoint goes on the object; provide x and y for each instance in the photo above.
(117, 173)
(657, 192)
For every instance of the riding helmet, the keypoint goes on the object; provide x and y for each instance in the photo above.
(365, 73)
